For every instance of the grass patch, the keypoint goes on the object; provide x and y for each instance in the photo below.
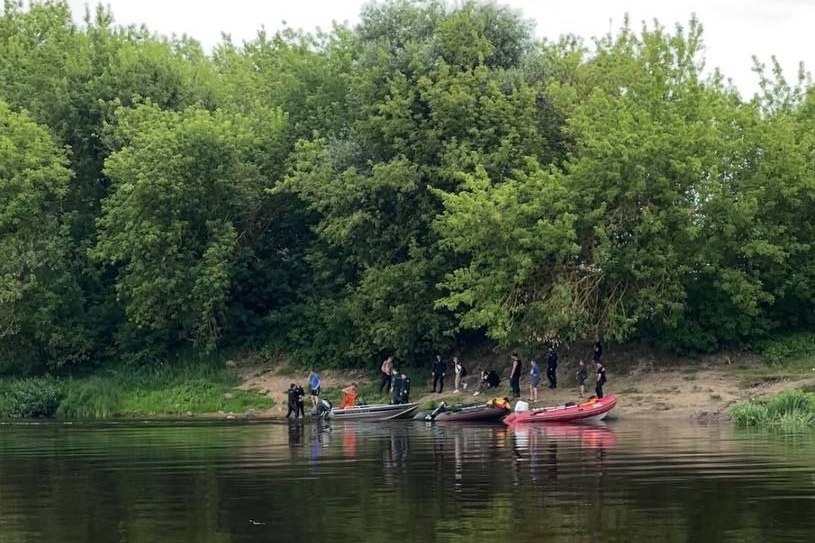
(195, 385)
(630, 390)
(716, 397)
(788, 411)
(91, 398)
(192, 386)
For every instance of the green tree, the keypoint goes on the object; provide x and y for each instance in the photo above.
(185, 192)
(40, 309)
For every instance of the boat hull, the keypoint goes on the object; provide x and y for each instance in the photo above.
(593, 410)
(477, 413)
(375, 412)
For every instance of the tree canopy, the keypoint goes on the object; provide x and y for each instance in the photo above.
(432, 175)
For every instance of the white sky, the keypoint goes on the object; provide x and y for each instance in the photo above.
(734, 29)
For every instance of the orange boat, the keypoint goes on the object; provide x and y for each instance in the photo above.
(591, 410)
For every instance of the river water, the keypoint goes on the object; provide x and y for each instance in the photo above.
(631, 481)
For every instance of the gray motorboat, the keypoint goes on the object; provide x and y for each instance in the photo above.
(373, 412)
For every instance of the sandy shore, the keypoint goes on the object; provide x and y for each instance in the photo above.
(701, 390)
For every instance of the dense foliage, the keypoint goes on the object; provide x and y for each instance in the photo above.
(429, 176)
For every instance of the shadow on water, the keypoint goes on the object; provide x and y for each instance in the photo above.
(403, 481)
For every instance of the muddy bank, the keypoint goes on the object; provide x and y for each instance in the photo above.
(646, 384)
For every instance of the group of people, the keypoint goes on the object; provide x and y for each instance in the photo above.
(582, 373)
(535, 374)
(397, 384)
(394, 382)
(296, 395)
(491, 380)
(439, 372)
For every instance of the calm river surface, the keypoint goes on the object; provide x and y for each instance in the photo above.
(632, 481)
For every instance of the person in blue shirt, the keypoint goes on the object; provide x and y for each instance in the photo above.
(314, 385)
(534, 380)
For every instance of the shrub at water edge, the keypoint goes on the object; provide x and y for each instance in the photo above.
(790, 410)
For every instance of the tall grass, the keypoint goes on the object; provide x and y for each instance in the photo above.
(91, 398)
(788, 411)
(191, 385)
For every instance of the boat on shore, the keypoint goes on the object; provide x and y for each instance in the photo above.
(492, 410)
(593, 409)
(373, 412)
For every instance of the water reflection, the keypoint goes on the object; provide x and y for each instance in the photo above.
(323, 481)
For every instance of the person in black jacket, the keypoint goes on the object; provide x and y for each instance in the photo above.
(401, 388)
(598, 349)
(300, 398)
(551, 367)
(439, 371)
(601, 378)
(291, 396)
(515, 376)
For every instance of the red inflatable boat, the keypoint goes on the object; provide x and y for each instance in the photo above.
(591, 410)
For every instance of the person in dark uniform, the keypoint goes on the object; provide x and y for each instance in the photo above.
(404, 396)
(598, 349)
(401, 389)
(291, 395)
(439, 371)
(515, 376)
(300, 397)
(396, 387)
(551, 367)
(601, 378)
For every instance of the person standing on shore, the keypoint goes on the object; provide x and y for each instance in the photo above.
(515, 376)
(582, 377)
(314, 386)
(551, 367)
(438, 373)
(300, 400)
(534, 380)
(598, 349)
(460, 373)
(601, 378)
(292, 400)
(386, 375)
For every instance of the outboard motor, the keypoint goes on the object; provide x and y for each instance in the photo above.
(432, 414)
(323, 409)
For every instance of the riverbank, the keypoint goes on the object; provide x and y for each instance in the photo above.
(248, 386)
(190, 388)
(646, 384)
